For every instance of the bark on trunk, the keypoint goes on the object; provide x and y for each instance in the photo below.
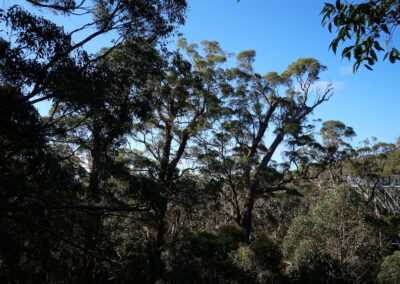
(93, 226)
(247, 213)
(251, 187)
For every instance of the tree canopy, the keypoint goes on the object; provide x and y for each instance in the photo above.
(160, 164)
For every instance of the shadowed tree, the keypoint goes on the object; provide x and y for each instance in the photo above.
(93, 99)
(182, 103)
(37, 53)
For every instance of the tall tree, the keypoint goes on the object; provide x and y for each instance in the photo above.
(183, 102)
(256, 108)
(93, 104)
(335, 152)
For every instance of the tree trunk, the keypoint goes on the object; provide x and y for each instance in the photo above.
(94, 222)
(247, 213)
(156, 268)
(252, 187)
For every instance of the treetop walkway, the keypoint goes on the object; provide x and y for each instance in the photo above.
(383, 191)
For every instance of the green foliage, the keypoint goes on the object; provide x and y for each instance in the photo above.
(390, 269)
(156, 166)
(329, 229)
(202, 257)
(392, 165)
(262, 259)
(306, 66)
(333, 132)
(61, 177)
(370, 162)
(320, 268)
(368, 25)
(238, 152)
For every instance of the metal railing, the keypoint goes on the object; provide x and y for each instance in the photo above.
(384, 191)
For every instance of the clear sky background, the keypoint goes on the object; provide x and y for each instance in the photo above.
(281, 31)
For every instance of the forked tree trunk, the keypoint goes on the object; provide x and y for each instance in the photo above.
(251, 187)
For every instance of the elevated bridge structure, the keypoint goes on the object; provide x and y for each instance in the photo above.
(384, 191)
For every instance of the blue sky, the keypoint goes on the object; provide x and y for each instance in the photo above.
(281, 31)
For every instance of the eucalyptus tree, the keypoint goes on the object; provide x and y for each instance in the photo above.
(259, 110)
(63, 202)
(44, 186)
(334, 153)
(183, 103)
(41, 61)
